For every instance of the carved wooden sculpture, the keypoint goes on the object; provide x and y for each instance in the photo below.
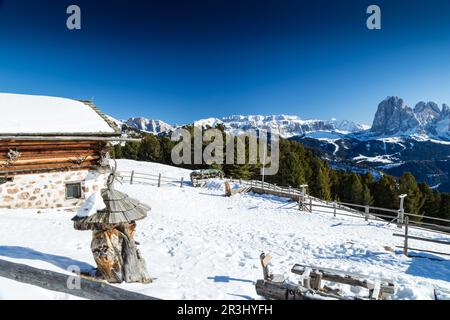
(113, 227)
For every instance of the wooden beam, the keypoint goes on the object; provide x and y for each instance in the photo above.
(47, 167)
(424, 250)
(422, 239)
(54, 281)
(52, 154)
(46, 142)
(43, 160)
(10, 173)
(286, 291)
(41, 147)
(352, 279)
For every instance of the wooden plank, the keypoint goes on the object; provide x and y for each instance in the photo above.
(49, 146)
(376, 291)
(24, 162)
(45, 170)
(47, 164)
(424, 250)
(316, 280)
(352, 279)
(53, 154)
(50, 280)
(48, 142)
(265, 261)
(286, 291)
(50, 166)
(422, 239)
(52, 150)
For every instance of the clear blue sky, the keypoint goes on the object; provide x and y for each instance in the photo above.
(183, 60)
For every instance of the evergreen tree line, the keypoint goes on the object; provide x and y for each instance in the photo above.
(298, 165)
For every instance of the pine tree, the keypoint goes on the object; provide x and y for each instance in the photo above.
(431, 202)
(116, 151)
(320, 183)
(367, 198)
(149, 149)
(356, 189)
(414, 201)
(444, 207)
(291, 171)
(385, 193)
(335, 178)
(131, 150)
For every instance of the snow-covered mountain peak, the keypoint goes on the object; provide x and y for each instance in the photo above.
(393, 116)
(149, 125)
(426, 112)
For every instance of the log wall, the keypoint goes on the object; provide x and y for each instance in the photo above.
(46, 156)
(37, 176)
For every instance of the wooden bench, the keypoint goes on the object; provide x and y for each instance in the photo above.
(311, 287)
(313, 276)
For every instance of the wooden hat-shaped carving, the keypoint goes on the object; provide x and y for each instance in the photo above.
(119, 207)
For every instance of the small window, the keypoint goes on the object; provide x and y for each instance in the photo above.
(4, 180)
(73, 191)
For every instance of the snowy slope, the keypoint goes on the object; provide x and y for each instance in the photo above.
(202, 245)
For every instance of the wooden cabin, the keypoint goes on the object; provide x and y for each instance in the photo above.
(53, 151)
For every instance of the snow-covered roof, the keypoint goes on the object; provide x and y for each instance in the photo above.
(41, 115)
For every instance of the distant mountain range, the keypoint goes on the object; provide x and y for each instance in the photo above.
(400, 138)
(284, 125)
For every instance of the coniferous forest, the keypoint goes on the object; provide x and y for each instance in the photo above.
(299, 165)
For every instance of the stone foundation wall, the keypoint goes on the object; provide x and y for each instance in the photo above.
(48, 190)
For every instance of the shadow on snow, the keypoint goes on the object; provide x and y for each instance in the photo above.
(30, 254)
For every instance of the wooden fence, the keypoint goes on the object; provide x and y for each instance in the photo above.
(311, 204)
(400, 217)
(151, 179)
(407, 237)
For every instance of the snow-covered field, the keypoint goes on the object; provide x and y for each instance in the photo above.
(202, 245)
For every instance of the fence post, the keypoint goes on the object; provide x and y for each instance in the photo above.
(405, 246)
(240, 180)
(367, 213)
(132, 176)
(159, 180)
(401, 211)
(181, 182)
(310, 203)
(290, 190)
(334, 208)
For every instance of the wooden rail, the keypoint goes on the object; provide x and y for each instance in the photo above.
(407, 237)
(309, 203)
(54, 281)
(151, 179)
